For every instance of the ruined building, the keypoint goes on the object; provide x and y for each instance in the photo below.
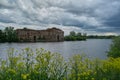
(30, 35)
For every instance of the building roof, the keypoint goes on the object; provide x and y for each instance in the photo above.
(49, 29)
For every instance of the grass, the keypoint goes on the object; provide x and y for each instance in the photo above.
(44, 65)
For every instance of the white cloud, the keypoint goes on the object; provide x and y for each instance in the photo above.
(109, 33)
(78, 15)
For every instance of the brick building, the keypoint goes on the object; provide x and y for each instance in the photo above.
(30, 35)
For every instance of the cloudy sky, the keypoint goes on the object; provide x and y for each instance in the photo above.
(88, 16)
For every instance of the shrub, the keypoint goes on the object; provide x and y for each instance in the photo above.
(44, 65)
(115, 48)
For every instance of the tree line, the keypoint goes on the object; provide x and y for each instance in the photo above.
(8, 35)
(73, 36)
(100, 36)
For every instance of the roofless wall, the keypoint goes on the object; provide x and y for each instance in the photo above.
(48, 35)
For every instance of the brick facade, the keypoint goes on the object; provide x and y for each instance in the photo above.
(48, 35)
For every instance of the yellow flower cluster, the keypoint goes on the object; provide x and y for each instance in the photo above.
(24, 76)
(49, 66)
(11, 71)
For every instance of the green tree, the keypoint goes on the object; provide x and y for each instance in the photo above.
(115, 48)
(79, 34)
(84, 36)
(72, 33)
(0, 35)
(75, 36)
(10, 34)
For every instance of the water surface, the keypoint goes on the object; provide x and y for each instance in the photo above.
(93, 48)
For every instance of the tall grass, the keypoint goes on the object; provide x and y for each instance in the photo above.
(44, 65)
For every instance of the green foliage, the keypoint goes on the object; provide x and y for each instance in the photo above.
(100, 36)
(41, 65)
(72, 33)
(79, 34)
(8, 35)
(1, 35)
(75, 36)
(82, 68)
(44, 65)
(115, 48)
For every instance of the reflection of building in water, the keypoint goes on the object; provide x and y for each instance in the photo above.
(50, 34)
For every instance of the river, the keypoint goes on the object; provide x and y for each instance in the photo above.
(93, 48)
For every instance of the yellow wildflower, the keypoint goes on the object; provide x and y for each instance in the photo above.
(24, 76)
(92, 78)
(12, 71)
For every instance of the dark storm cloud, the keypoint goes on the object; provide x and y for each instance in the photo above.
(114, 21)
(85, 15)
(6, 21)
(5, 6)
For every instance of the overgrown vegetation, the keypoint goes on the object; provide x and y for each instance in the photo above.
(44, 65)
(8, 35)
(115, 48)
(73, 36)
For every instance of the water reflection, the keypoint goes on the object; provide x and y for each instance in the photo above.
(94, 48)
